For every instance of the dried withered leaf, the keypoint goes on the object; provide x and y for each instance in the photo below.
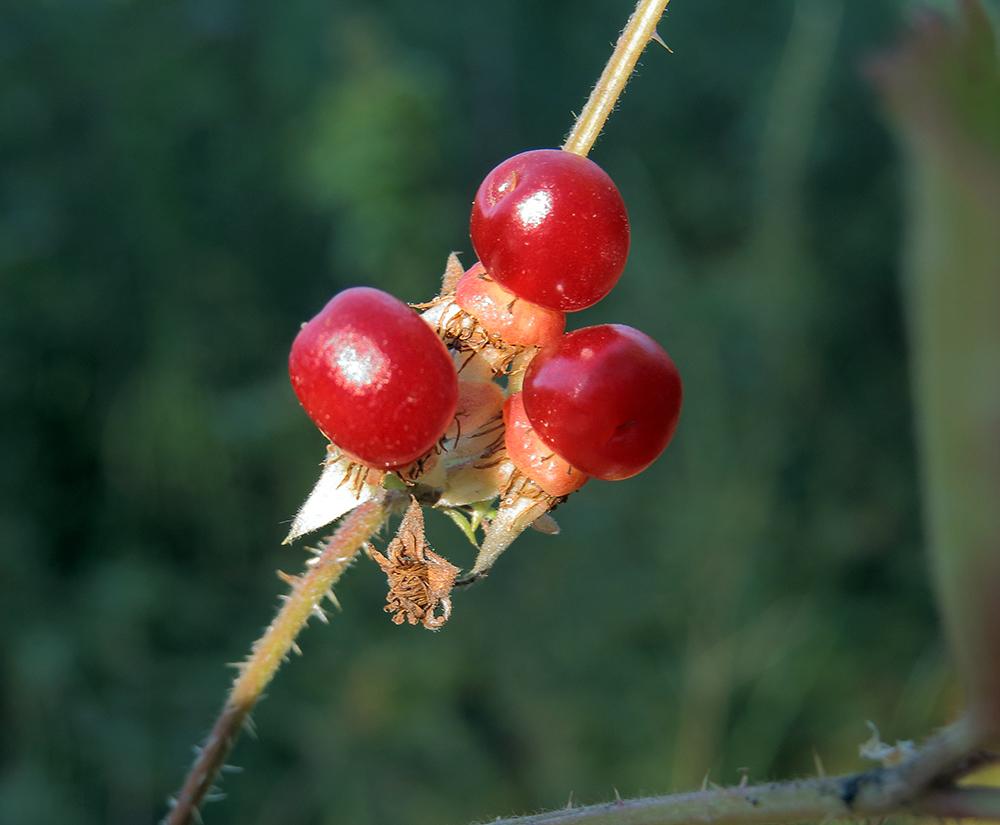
(420, 580)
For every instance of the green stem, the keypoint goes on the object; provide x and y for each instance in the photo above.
(640, 29)
(914, 787)
(267, 654)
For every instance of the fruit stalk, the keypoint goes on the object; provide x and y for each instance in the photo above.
(640, 29)
(308, 590)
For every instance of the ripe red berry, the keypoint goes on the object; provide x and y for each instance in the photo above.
(551, 227)
(514, 319)
(606, 398)
(533, 457)
(374, 378)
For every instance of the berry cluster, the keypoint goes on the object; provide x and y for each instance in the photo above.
(417, 395)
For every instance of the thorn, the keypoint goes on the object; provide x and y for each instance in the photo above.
(704, 782)
(545, 524)
(656, 36)
(231, 769)
(295, 648)
(820, 770)
(618, 798)
(745, 778)
(288, 578)
(320, 614)
(569, 805)
(250, 727)
(330, 595)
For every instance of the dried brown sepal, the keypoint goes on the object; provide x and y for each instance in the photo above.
(420, 580)
(522, 502)
(453, 272)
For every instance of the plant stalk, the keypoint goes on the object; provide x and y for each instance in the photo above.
(267, 654)
(640, 29)
(921, 786)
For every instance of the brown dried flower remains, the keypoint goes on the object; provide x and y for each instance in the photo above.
(420, 580)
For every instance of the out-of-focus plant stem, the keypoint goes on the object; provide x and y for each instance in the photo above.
(308, 591)
(942, 88)
(640, 29)
(922, 785)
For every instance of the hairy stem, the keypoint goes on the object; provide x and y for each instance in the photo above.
(268, 652)
(921, 786)
(640, 29)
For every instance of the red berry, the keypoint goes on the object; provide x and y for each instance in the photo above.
(517, 321)
(533, 457)
(606, 398)
(551, 227)
(375, 378)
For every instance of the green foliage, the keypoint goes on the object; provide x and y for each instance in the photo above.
(183, 182)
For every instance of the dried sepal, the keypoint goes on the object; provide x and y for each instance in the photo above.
(342, 486)
(420, 581)
(453, 272)
(522, 502)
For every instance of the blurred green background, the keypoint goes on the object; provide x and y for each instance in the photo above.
(183, 182)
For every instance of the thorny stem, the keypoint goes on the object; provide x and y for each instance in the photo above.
(921, 786)
(308, 590)
(640, 29)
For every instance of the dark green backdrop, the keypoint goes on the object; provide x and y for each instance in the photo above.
(182, 182)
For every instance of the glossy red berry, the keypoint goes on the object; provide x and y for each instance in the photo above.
(499, 312)
(535, 459)
(375, 378)
(606, 398)
(551, 227)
